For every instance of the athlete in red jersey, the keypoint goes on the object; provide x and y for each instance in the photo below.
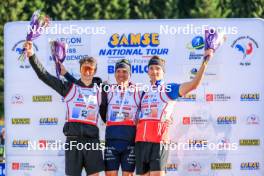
(156, 109)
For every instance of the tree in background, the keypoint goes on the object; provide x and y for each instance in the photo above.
(245, 9)
(153, 9)
(208, 9)
(13, 10)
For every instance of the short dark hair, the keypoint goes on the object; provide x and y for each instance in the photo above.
(156, 60)
(89, 60)
(123, 63)
(126, 61)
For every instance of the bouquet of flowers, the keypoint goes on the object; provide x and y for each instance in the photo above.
(58, 52)
(39, 21)
(213, 40)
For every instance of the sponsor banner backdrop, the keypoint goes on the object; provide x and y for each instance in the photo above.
(222, 119)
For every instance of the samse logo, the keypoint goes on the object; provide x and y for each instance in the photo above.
(134, 40)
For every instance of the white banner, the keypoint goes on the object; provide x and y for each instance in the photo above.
(227, 108)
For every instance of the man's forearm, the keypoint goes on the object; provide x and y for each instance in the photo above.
(47, 78)
(70, 78)
(199, 75)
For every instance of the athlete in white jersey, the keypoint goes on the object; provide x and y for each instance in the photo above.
(123, 105)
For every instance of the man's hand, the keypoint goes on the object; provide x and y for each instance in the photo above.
(28, 46)
(63, 70)
(208, 54)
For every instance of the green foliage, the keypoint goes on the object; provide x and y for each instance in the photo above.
(245, 9)
(13, 10)
(206, 9)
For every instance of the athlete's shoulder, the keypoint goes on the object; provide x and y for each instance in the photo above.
(172, 90)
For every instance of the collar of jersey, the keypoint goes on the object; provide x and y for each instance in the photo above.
(159, 82)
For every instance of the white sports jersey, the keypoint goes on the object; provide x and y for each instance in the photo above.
(83, 104)
(122, 107)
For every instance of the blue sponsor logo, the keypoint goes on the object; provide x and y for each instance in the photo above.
(20, 143)
(133, 44)
(48, 121)
(193, 143)
(197, 43)
(226, 120)
(246, 47)
(18, 49)
(171, 167)
(135, 69)
(250, 97)
(195, 47)
(75, 113)
(188, 97)
(249, 166)
(71, 40)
